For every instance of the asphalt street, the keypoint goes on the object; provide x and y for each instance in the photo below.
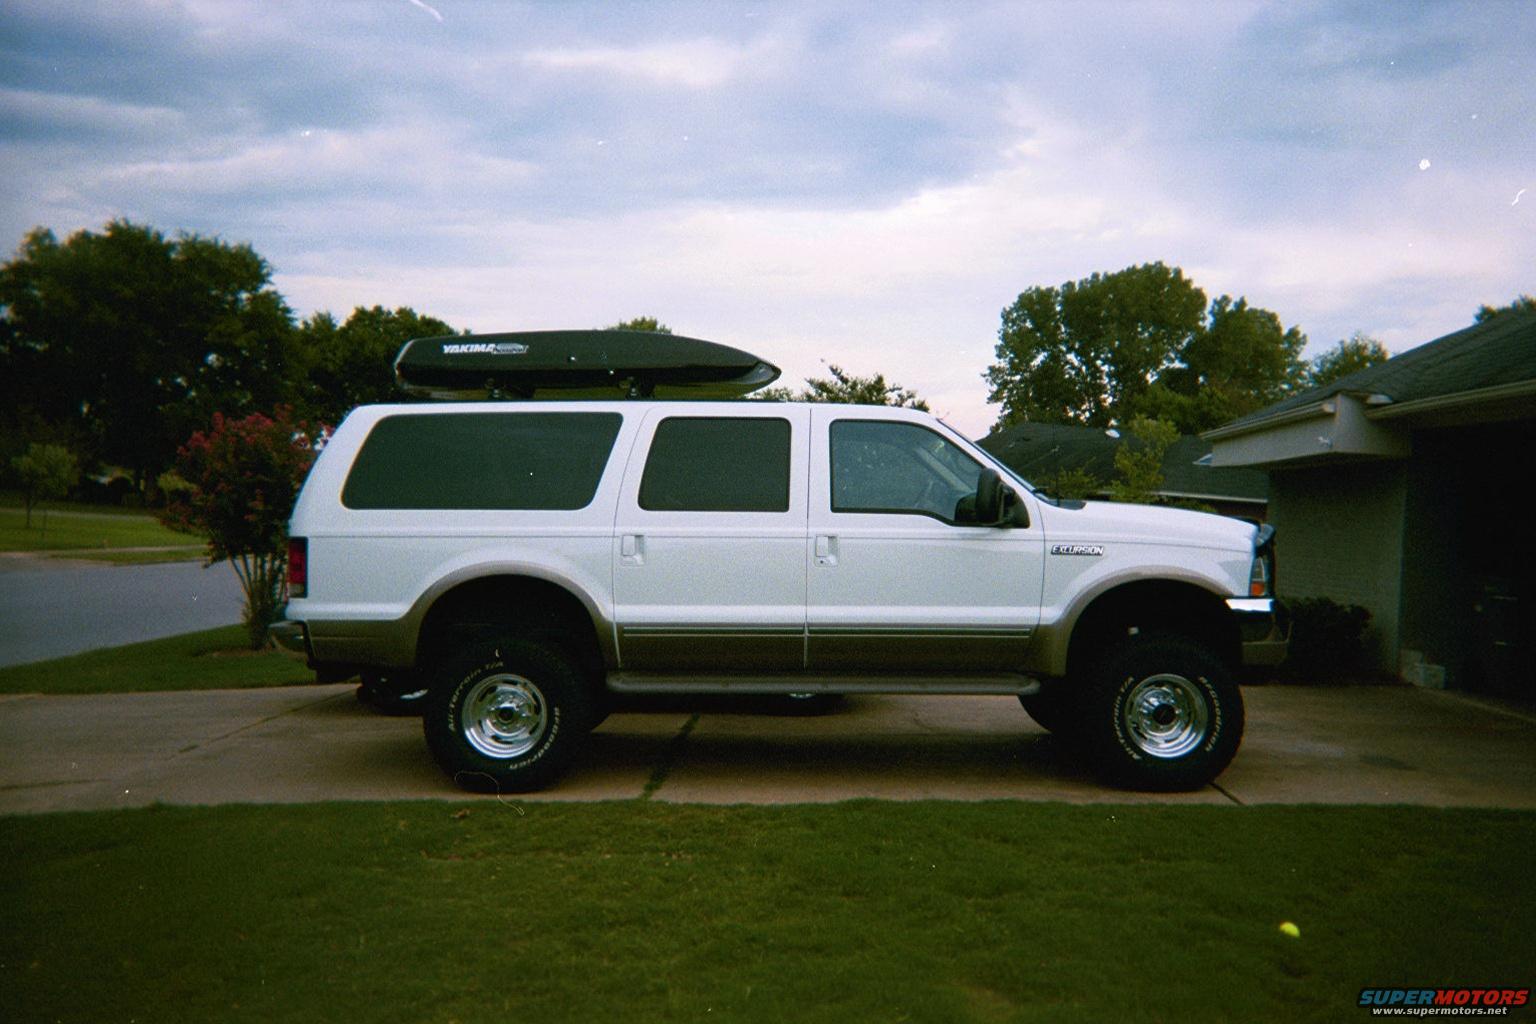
(52, 607)
(1327, 745)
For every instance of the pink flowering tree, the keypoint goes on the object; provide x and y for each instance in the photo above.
(243, 478)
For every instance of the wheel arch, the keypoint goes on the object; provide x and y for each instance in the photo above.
(1157, 605)
(519, 603)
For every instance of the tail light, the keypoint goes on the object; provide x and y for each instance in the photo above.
(1261, 576)
(1258, 578)
(298, 566)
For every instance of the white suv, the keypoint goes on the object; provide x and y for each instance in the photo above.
(524, 560)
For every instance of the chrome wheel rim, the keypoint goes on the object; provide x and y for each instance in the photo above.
(504, 716)
(1166, 716)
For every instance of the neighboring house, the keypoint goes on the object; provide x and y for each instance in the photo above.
(1404, 488)
(1038, 451)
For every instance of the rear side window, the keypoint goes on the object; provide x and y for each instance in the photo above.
(717, 464)
(482, 461)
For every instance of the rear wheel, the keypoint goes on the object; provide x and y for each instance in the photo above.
(506, 715)
(1161, 713)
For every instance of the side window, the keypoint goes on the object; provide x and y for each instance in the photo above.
(717, 464)
(482, 461)
(881, 466)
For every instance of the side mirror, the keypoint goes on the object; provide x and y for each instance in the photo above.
(1014, 512)
(993, 504)
(989, 498)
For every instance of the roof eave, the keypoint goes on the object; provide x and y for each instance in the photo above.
(1456, 400)
(1322, 407)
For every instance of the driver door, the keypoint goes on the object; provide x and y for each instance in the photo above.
(895, 583)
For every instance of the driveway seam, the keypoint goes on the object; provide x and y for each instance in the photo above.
(251, 725)
(1227, 793)
(669, 758)
(48, 783)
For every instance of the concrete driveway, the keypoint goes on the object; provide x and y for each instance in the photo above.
(1357, 745)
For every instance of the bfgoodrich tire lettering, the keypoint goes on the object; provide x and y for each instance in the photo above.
(506, 715)
(1162, 714)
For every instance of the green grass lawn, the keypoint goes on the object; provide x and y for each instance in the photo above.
(213, 659)
(81, 528)
(866, 911)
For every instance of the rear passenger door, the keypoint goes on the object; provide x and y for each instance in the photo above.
(709, 549)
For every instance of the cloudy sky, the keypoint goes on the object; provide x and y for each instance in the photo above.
(865, 183)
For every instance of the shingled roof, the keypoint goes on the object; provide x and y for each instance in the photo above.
(1038, 451)
(1498, 352)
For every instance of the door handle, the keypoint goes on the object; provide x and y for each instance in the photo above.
(631, 551)
(826, 550)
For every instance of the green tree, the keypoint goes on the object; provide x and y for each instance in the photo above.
(847, 389)
(46, 471)
(242, 478)
(1241, 360)
(1140, 341)
(1523, 304)
(1139, 460)
(129, 338)
(353, 363)
(1351, 354)
(640, 323)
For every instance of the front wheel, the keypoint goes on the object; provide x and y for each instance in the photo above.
(1161, 713)
(506, 715)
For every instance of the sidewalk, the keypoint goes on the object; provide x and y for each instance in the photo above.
(1356, 745)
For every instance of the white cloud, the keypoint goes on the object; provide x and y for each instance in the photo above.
(421, 156)
(926, 41)
(693, 64)
(952, 162)
(67, 112)
(913, 287)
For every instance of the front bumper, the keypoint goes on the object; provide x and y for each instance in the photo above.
(291, 638)
(1264, 627)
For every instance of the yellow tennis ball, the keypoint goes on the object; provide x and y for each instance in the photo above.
(1290, 929)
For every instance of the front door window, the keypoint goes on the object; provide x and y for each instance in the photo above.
(900, 468)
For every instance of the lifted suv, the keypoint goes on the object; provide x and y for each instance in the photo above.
(525, 560)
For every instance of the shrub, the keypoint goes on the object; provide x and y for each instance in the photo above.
(242, 478)
(46, 471)
(1075, 484)
(1327, 638)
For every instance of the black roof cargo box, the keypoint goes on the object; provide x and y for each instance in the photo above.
(578, 364)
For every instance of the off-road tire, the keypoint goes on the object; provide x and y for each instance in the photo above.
(506, 715)
(1057, 708)
(1160, 713)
